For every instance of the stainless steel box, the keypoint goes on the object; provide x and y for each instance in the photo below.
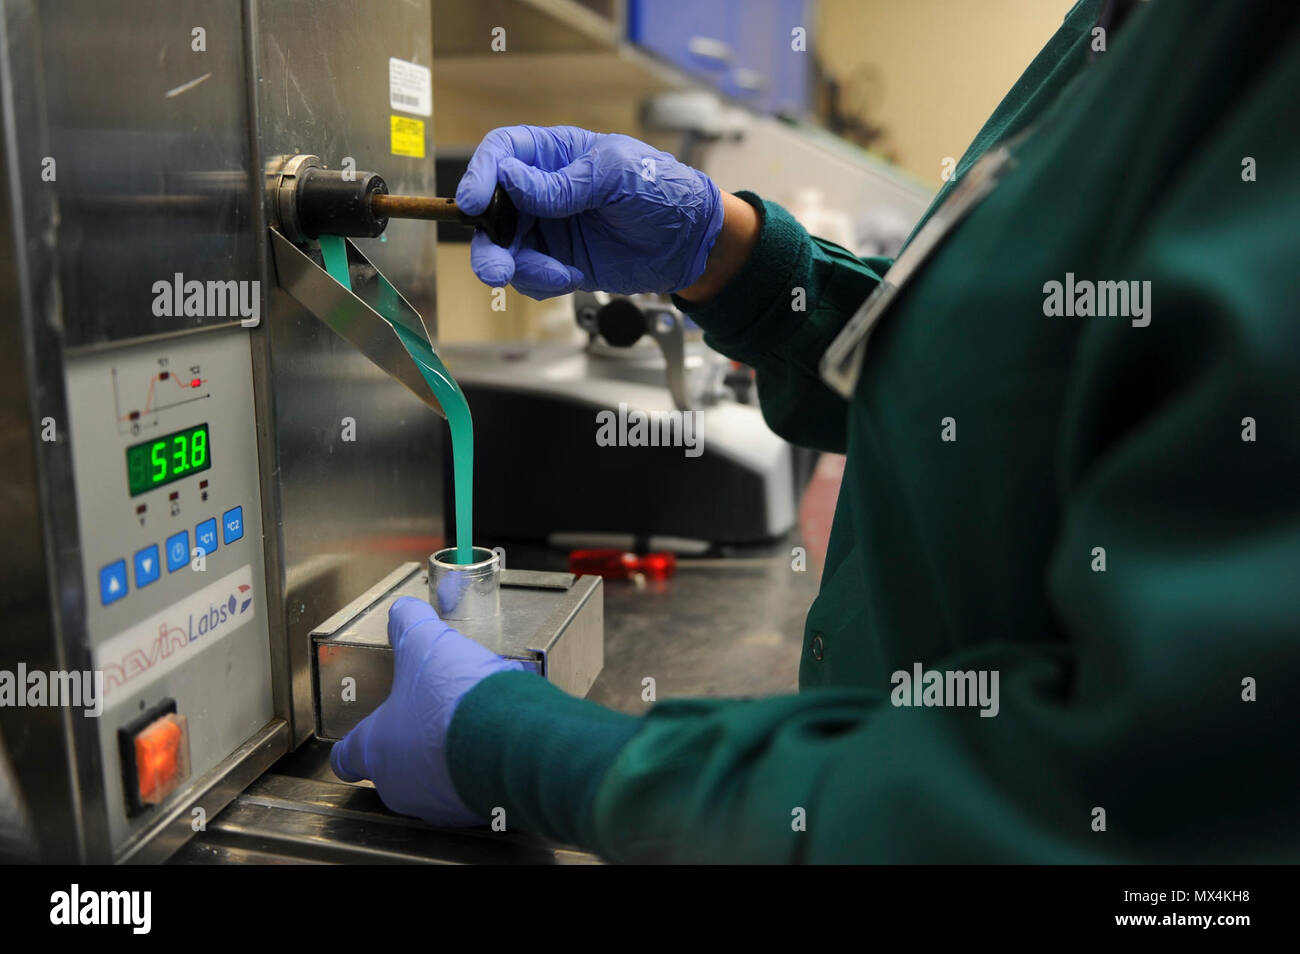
(553, 622)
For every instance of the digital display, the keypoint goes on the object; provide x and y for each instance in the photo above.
(165, 459)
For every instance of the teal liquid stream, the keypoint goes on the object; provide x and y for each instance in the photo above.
(444, 387)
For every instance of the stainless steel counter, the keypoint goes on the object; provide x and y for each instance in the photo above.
(729, 626)
(717, 630)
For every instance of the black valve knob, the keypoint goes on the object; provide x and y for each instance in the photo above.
(499, 220)
(621, 323)
(330, 204)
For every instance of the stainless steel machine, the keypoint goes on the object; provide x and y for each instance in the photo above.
(199, 472)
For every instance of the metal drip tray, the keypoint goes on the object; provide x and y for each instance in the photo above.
(553, 622)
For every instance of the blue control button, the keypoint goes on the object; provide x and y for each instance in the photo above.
(205, 536)
(178, 550)
(232, 525)
(146, 566)
(112, 582)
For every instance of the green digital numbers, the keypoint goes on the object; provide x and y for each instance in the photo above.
(180, 460)
(161, 461)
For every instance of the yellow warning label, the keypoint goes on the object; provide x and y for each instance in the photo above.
(408, 136)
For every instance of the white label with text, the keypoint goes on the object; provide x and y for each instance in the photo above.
(410, 87)
(137, 656)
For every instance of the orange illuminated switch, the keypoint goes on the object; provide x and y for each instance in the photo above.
(155, 752)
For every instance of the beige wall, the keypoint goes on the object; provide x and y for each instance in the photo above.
(931, 71)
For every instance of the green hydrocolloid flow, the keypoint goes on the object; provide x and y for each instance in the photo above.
(443, 385)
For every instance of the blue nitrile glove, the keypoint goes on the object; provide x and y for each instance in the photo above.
(402, 745)
(597, 212)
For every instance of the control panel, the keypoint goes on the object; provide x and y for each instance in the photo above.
(164, 451)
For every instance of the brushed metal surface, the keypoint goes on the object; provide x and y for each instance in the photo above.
(299, 813)
(154, 173)
(345, 510)
(142, 184)
(160, 152)
(41, 588)
(351, 316)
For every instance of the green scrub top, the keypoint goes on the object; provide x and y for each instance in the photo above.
(1102, 510)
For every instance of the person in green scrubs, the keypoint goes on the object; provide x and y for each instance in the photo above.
(1072, 477)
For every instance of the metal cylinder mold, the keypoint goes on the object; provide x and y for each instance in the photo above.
(465, 590)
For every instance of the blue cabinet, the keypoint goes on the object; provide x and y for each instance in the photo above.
(754, 33)
(695, 35)
(743, 48)
(792, 69)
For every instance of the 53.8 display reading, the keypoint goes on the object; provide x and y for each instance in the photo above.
(168, 458)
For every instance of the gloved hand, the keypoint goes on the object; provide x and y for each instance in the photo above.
(402, 745)
(596, 212)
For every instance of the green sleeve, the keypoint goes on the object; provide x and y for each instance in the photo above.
(518, 743)
(780, 313)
